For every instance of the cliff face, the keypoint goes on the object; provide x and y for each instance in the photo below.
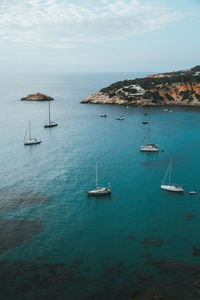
(176, 88)
(37, 97)
(179, 93)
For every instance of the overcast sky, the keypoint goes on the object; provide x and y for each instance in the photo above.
(99, 35)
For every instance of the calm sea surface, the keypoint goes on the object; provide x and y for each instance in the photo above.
(55, 241)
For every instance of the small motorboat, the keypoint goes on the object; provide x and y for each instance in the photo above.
(145, 122)
(120, 118)
(103, 116)
(192, 192)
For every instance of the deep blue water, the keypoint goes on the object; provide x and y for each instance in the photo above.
(96, 235)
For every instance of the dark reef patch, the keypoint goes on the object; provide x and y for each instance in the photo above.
(170, 280)
(178, 279)
(24, 280)
(152, 241)
(189, 217)
(196, 251)
(14, 233)
(12, 199)
(131, 237)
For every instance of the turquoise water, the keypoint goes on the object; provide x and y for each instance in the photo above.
(89, 233)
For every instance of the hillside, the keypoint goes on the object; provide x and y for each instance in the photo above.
(175, 88)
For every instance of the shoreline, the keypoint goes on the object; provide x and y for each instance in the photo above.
(99, 99)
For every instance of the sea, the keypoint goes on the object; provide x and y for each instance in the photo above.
(56, 242)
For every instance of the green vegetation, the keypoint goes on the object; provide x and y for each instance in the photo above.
(157, 97)
(186, 95)
(196, 69)
(170, 98)
(149, 83)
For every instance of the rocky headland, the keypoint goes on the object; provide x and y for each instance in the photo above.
(37, 97)
(175, 88)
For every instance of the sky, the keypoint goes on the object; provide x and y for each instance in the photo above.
(99, 35)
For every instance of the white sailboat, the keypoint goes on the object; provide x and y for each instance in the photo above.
(171, 186)
(50, 123)
(28, 140)
(149, 147)
(99, 190)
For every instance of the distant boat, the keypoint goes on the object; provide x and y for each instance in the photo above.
(28, 140)
(192, 192)
(99, 190)
(103, 115)
(120, 118)
(171, 186)
(50, 123)
(149, 147)
(145, 114)
(145, 122)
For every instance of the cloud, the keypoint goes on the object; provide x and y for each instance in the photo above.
(62, 24)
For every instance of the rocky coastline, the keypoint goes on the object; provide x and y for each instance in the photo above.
(181, 88)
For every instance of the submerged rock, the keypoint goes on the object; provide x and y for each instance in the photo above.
(157, 297)
(189, 217)
(196, 251)
(37, 97)
(151, 241)
(196, 284)
(131, 237)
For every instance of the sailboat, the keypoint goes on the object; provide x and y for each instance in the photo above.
(28, 140)
(149, 147)
(99, 190)
(50, 123)
(171, 186)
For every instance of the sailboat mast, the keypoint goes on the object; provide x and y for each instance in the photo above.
(148, 135)
(49, 113)
(96, 176)
(170, 171)
(29, 130)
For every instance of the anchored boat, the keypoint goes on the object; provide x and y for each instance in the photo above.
(50, 123)
(171, 187)
(149, 147)
(120, 118)
(99, 190)
(28, 140)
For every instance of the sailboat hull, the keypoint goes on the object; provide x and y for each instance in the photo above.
(99, 192)
(149, 149)
(50, 125)
(172, 188)
(32, 142)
